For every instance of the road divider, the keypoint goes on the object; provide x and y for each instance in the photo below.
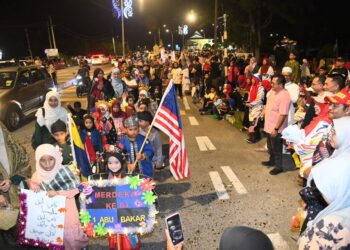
(193, 121)
(187, 106)
(234, 180)
(219, 186)
(204, 143)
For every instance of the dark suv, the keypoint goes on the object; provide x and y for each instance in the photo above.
(22, 92)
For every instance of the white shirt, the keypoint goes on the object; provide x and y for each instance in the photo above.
(177, 77)
(293, 90)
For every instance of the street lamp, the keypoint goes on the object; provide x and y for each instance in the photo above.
(191, 16)
(202, 30)
(172, 37)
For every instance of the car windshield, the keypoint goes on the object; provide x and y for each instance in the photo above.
(7, 80)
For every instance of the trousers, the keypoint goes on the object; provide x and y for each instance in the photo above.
(275, 149)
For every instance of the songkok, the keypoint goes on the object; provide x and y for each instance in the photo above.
(131, 122)
(145, 101)
(58, 126)
(145, 116)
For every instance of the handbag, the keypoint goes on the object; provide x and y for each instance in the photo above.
(8, 218)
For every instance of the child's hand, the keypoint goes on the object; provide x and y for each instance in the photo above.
(140, 156)
(51, 193)
(131, 167)
(3, 201)
(33, 186)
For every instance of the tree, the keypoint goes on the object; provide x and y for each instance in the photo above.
(249, 18)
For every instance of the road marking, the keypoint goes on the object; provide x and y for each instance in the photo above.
(219, 186)
(182, 112)
(278, 242)
(204, 143)
(187, 106)
(193, 121)
(234, 180)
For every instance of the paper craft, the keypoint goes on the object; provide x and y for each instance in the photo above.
(42, 219)
(118, 206)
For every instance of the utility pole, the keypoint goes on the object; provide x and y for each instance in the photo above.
(172, 40)
(159, 35)
(52, 33)
(49, 32)
(115, 52)
(225, 35)
(216, 26)
(28, 43)
(123, 34)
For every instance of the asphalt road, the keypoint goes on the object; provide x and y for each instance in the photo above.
(228, 186)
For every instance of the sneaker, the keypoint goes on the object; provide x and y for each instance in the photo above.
(267, 163)
(250, 141)
(276, 171)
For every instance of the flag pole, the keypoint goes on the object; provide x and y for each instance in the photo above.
(71, 137)
(152, 124)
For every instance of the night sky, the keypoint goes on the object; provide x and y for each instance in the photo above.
(79, 24)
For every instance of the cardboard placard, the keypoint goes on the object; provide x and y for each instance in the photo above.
(42, 219)
(118, 206)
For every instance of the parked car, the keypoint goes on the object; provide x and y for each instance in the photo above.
(88, 59)
(99, 59)
(22, 92)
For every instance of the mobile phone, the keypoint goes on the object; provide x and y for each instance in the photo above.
(173, 224)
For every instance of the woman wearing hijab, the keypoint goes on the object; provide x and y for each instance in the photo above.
(330, 227)
(266, 71)
(45, 117)
(255, 104)
(14, 169)
(305, 141)
(101, 89)
(56, 179)
(119, 86)
(118, 117)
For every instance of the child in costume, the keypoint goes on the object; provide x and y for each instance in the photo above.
(116, 167)
(59, 132)
(56, 179)
(130, 107)
(145, 120)
(91, 138)
(118, 117)
(104, 123)
(132, 142)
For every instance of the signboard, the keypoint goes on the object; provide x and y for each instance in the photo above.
(118, 206)
(42, 219)
(51, 52)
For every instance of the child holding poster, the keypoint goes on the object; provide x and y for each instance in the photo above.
(56, 179)
(116, 167)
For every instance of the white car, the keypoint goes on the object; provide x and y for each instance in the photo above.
(99, 59)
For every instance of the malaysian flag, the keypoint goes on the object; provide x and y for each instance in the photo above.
(168, 120)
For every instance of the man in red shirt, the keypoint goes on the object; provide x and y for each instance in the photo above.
(276, 119)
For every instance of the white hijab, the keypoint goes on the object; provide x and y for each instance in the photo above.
(51, 114)
(47, 149)
(332, 175)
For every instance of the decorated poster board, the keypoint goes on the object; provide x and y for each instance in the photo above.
(41, 219)
(118, 206)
